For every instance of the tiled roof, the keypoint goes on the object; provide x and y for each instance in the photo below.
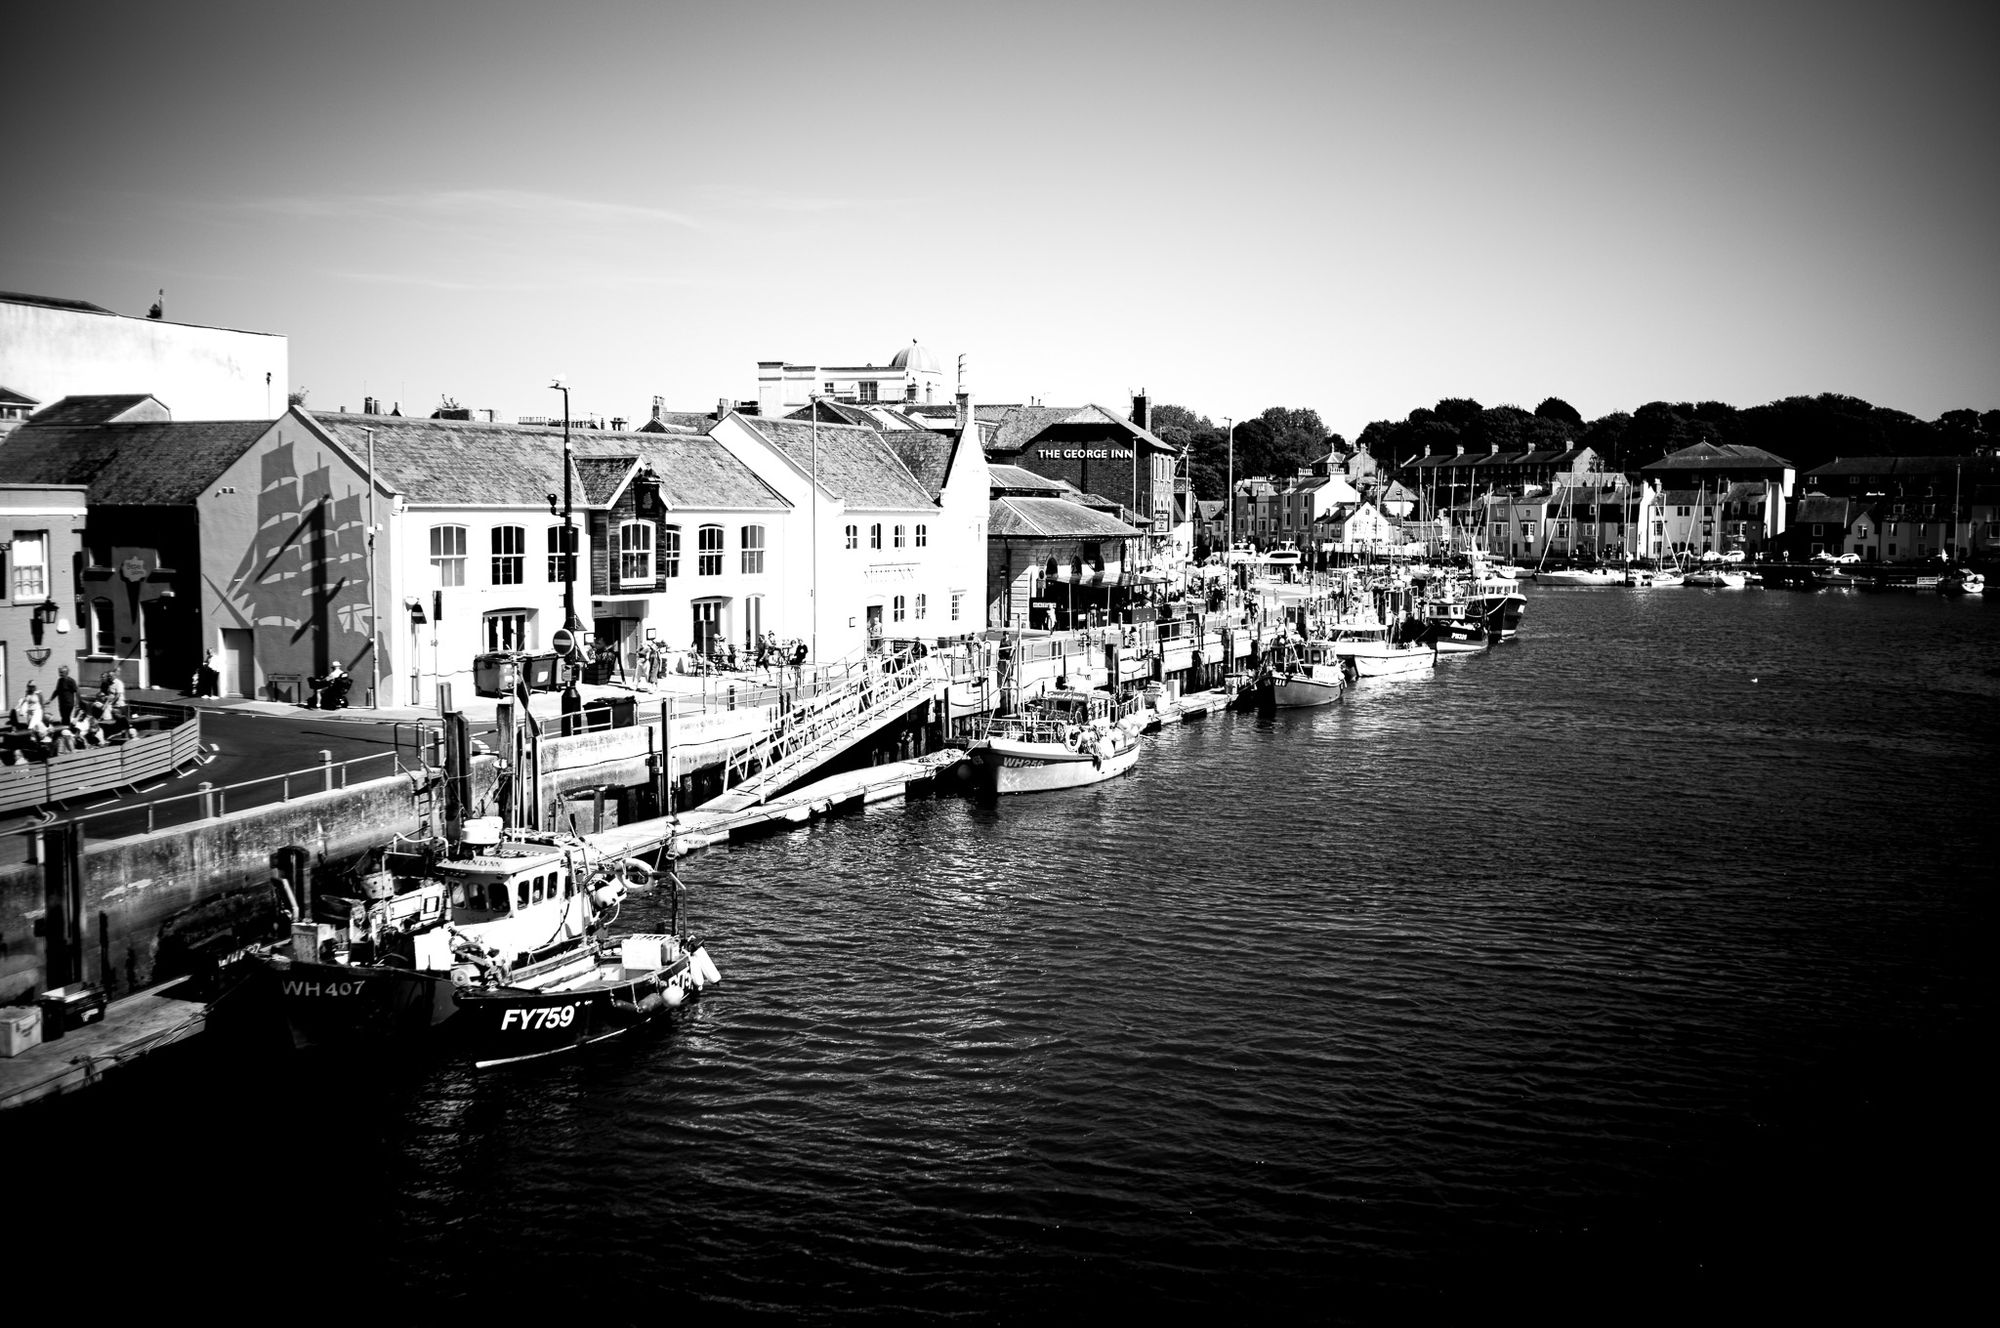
(1910, 465)
(1716, 456)
(695, 471)
(1019, 477)
(90, 410)
(1822, 507)
(599, 478)
(1021, 425)
(856, 464)
(160, 464)
(449, 463)
(9, 397)
(926, 454)
(1051, 518)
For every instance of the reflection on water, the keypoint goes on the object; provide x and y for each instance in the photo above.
(1637, 954)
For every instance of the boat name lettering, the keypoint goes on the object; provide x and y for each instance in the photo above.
(349, 988)
(548, 1016)
(1084, 453)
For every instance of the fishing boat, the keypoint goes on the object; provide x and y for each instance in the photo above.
(632, 980)
(1061, 739)
(1494, 600)
(1372, 653)
(388, 947)
(1304, 673)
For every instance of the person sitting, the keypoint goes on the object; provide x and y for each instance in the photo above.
(329, 691)
(86, 729)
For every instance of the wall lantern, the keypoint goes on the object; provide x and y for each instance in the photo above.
(47, 612)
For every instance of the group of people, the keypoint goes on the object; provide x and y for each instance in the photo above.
(76, 722)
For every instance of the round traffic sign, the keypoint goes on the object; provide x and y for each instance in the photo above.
(563, 643)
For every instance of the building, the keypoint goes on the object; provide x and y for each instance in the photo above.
(893, 520)
(1925, 506)
(41, 546)
(1055, 558)
(1095, 450)
(247, 538)
(53, 348)
(912, 375)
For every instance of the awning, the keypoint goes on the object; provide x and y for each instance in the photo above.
(620, 608)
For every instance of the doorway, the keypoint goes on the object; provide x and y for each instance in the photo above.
(238, 665)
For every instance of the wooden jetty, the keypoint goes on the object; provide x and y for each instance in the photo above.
(133, 1026)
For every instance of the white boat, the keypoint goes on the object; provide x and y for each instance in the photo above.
(1959, 582)
(1647, 578)
(1305, 673)
(1061, 740)
(1717, 578)
(1372, 654)
(1285, 555)
(1581, 576)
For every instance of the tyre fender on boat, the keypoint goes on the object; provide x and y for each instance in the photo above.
(1073, 738)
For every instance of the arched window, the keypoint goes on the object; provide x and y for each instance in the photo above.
(670, 551)
(854, 537)
(448, 554)
(875, 536)
(898, 607)
(753, 550)
(635, 553)
(510, 550)
(923, 535)
(710, 563)
(899, 537)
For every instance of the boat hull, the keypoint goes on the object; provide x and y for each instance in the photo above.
(1378, 660)
(502, 1025)
(1316, 685)
(343, 1004)
(1006, 765)
(1578, 577)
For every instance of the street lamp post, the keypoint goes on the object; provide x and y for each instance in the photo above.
(812, 404)
(570, 620)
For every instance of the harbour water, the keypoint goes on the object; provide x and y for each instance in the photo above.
(1635, 966)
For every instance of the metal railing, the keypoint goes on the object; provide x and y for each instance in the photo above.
(869, 692)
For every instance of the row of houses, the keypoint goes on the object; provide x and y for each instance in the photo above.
(406, 549)
(1564, 504)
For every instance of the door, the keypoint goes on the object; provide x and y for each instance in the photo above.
(238, 665)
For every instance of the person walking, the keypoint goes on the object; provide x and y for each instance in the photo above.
(28, 712)
(65, 694)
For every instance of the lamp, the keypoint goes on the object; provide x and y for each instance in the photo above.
(570, 620)
(47, 611)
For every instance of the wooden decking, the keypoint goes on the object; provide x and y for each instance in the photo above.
(133, 1026)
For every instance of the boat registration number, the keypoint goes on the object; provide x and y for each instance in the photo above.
(316, 989)
(547, 1016)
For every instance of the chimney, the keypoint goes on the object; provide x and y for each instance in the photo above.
(964, 407)
(721, 407)
(1142, 410)
(617, 424)
(659, 410)
(910, 391)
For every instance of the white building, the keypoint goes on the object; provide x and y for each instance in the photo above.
(911, 376)
(55, 348)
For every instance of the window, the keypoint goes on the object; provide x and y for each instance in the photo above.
(510, 548)
(710, 563)
(635, 553)
(897, 535)
(558, 571)
(957, 599)
(753, 550)
(923, 536)
(865, 391)
(1819, 528)
(507, 630)
(670, 551)
(875, 536)
(1527, 530)
(854, 537)
(920, 608)
(898, 616)
(31, 564)
(448, 554)
(829, 387)
(103, 641)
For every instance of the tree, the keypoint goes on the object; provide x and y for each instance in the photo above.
(297, 396)
(1555, 408)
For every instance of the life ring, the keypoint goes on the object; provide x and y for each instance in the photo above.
(637, 873)
(1073, 739)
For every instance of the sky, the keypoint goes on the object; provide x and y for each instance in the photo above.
(1358, 208)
